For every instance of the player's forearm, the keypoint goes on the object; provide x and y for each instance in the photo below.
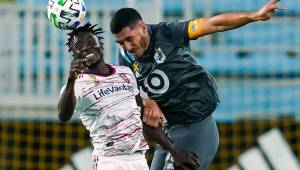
(160, 137)
(229, 21)
(67, 102)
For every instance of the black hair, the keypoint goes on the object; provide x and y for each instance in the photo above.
(86, 28)
(124, 17)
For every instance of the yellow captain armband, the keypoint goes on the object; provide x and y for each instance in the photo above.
(195, 28)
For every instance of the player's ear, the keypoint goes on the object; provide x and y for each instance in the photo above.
(73, 51)
(142, 27)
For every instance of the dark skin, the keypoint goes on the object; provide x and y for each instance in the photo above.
(88, 58)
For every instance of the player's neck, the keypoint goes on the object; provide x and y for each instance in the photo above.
(100, 69)
(148, 45)
(147, 39)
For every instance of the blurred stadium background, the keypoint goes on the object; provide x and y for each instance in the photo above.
(257, 69)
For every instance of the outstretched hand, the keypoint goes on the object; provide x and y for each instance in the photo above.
(185, 160)
(268, 10)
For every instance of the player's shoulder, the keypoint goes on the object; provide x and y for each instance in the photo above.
(170, 24)
(168, 30)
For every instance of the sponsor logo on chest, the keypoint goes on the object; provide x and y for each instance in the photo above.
(102, 92)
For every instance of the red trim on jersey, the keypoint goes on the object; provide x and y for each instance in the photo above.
(111, 69)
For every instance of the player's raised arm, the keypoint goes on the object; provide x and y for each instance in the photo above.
(228, 21)
(67, 100)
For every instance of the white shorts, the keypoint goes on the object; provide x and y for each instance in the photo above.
(134, 161)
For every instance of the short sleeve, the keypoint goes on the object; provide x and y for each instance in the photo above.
(195, 28)
(178, 30)
(62, 90)
(76, 91)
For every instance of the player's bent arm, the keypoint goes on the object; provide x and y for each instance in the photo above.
(67, 102)
(181, 157)
(155, 133)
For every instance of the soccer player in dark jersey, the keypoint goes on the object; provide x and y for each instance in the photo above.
(106, 99)
(174, 83)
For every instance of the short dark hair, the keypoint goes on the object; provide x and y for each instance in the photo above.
(124, 17)
(86, 28)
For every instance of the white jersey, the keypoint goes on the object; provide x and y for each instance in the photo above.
(107, 107)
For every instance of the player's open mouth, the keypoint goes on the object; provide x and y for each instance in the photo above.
(89, 56)
(91, 59)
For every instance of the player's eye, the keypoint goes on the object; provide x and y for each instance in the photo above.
(78, 46)
(121, 43)
(129, 39)
(91, 42)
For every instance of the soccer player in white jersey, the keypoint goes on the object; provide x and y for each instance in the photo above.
(106, 99)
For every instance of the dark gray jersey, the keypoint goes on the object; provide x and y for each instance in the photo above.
(170, 75)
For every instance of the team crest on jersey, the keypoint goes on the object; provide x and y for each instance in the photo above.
(125, 78)
(159, 56)
(93, 77)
